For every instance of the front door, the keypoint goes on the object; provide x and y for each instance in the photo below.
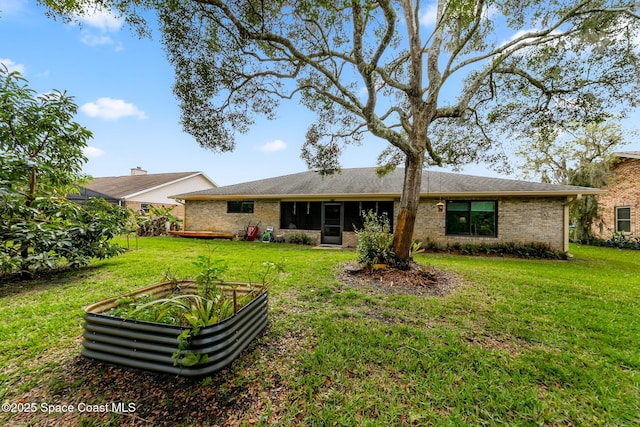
(332, 223)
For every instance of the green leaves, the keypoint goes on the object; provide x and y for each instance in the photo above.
(41, 149)
(375, 240)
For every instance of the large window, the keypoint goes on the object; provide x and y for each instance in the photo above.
(300, 215)
(353, 213)
(472, 218)
(308, 215)
(623, 219)
(240, 207)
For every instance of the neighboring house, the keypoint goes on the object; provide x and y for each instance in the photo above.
(454, 208)
(619, 208)
(140, 190)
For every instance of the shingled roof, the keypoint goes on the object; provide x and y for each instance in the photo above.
(629, 154)
(120, 187)
(364, 182)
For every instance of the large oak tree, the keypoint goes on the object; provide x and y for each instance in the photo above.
(442, 82)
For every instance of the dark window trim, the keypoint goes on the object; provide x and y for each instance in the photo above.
(240, 206)
(469, 233)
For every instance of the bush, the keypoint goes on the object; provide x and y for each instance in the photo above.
(301, 239)
(375, 241)
(618, 240)
(54, 232)
(158, 222)
(535, 250)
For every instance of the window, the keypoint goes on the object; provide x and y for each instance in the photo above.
(300, 215)
(623, 219)
(472, 218)
(353, 213)
(240, 207)
(144, 208)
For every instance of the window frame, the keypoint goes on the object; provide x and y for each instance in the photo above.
(451, 230)
(241, 204)
(626, 220)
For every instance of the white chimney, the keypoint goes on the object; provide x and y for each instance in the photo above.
(138, 171)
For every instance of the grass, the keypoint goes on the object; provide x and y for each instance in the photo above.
(522, 342)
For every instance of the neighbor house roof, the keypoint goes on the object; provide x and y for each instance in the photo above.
(629, 154)
(124, 187)
(86, 194)
(364, 182)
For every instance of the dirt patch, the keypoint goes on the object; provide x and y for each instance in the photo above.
(416, 280)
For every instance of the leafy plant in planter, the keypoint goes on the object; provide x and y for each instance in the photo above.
(198, 313)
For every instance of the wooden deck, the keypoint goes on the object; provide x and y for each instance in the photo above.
(204, 234)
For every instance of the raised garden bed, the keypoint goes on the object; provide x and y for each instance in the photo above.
(153, 346)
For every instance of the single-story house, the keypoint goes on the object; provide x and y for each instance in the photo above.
(141, 189)
(453, 208)
(619, 207)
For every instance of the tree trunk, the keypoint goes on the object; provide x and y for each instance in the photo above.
(29, 199)
(403, 236)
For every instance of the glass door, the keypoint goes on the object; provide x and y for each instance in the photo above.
(332, 223)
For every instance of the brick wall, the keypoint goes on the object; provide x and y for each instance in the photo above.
(519, 221)
(622, 191)
(211, 215)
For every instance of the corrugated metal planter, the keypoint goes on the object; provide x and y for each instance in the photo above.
(150, 346)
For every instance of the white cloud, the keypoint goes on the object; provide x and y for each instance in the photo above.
(112, 109)
(93, 152)
(276, 145)
(12, 7)
(97, 17)
(429, 16)
(12, 66)
(91, 40)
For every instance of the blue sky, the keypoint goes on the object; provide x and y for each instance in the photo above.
(122, 86)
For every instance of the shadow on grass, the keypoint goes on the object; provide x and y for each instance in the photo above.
(120, 396)
(15, 284)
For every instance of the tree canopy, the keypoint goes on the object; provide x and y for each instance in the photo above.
(444, 83)
(41, 156)
(583, 155)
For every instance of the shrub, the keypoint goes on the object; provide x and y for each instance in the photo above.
(56, 232)
(618, 240)
(301, 239)
(158, 222)
(521, 250)
(375, 240)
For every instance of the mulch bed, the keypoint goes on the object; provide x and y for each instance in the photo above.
(416, 280)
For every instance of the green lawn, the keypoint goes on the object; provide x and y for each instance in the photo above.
(521, 342)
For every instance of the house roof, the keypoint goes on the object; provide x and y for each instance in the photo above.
(123, 187)
(629, 154)
(86, 194)
(364, 182)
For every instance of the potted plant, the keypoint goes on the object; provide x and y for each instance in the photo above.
(188, 327)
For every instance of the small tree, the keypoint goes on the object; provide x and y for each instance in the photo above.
(41, 148)
(375, 241)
